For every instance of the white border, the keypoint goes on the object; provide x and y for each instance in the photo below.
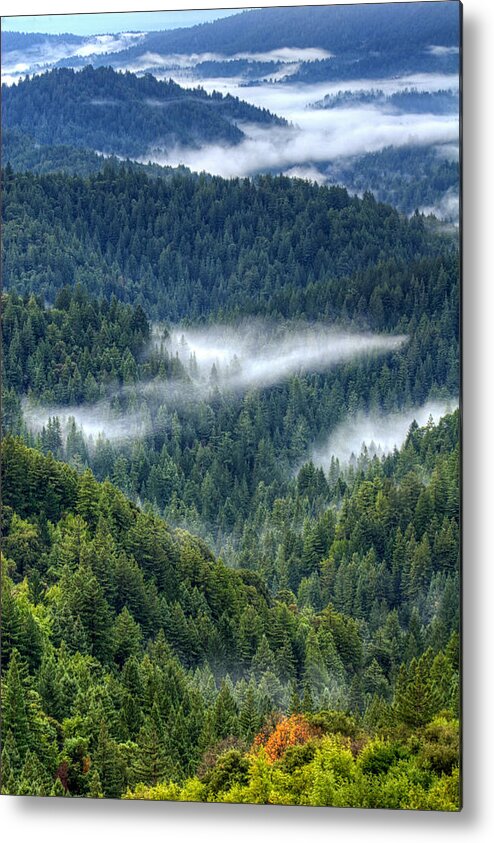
(41, 820)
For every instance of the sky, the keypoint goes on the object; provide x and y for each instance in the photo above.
(103, 23)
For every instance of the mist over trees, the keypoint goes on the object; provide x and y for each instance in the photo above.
(193, 247)
(123, 114)
(195, 606)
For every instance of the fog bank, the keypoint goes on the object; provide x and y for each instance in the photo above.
(322, 135)
(380, 434)
(258, 355)
(253, 355)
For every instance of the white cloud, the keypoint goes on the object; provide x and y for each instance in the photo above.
(438, 50)
(378, 433)
(321, 135)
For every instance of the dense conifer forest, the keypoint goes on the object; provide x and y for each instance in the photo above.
(137, 662)
(188, 248)
(122, 113)
(204, 596)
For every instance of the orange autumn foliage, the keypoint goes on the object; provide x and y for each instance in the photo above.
(288, 732)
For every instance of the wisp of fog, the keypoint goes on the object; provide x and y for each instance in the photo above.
(253, 355)
(97, 420)
(258, 355)
(378, 433)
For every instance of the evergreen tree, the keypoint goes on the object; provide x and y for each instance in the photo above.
(14, 711)
(249, 721)
(10, 765)
(416, 699)
(152, 761)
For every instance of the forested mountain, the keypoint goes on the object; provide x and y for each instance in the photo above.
(123, 114)
(24, 154)
(401, 33)
(193, 247)
(133, 660)
(337, 28)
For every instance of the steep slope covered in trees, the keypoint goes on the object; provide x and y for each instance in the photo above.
(131, 658)
(123, 114)
(23, 154)
(194, 247)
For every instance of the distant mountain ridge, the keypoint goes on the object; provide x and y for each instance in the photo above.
(364, 40)
(337, 28)
(122, 113)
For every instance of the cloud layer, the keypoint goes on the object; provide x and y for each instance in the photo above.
(253, 355)
(320, 136)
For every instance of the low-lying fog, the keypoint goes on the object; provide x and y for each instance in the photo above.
(255, 355)
(233, 359)
(319, 136)
(98, 420)
(380, 434)
(314, 134)
(180, 65)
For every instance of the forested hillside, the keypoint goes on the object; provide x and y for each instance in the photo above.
(364, 39)
(213, 460)
(121, 113)
(133, 659)
(407, 178)
(230, 428)
(193, 247)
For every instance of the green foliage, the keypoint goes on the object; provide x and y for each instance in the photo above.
(324, 771)
(68, 353)
(341, 599)
(123, 114)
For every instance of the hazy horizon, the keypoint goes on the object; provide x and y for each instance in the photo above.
(103, 23)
